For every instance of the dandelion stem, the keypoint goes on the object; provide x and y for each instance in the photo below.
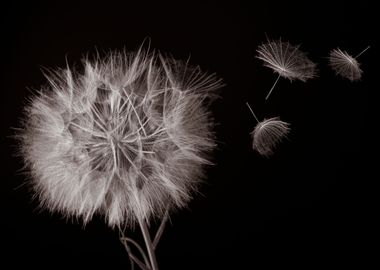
(362, 52)
(139, 248)
(254, 115)
(148, 244)
(161, 229)
(139, 263)
(124, 240)
(270, 91)
(130, 255)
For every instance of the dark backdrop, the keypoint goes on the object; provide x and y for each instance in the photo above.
(311, 204)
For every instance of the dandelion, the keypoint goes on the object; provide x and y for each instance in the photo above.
(126, 139)
(287, 61)
(346, 65)
(268, 134)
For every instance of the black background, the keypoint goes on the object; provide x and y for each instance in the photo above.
(311, 204)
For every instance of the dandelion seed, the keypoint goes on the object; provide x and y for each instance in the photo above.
(346, 65)
(287, 61)
(268, 134)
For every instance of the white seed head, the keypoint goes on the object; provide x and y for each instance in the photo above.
(124, 139)
(287, 60)
(345, 65)
(268, 134)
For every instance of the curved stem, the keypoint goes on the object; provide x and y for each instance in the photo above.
(139, 263)
(148, 244)
(139, 248)
(270, 91)
(161, 229)
(130, 255)
(134, 259)
(126, 246)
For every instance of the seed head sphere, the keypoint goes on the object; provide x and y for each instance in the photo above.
(125, 138)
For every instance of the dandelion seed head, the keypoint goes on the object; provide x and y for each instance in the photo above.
(286, 60)
(345, 65)
(268, 134)
(125, 138)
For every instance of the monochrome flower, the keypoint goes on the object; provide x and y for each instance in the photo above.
(125, 138)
